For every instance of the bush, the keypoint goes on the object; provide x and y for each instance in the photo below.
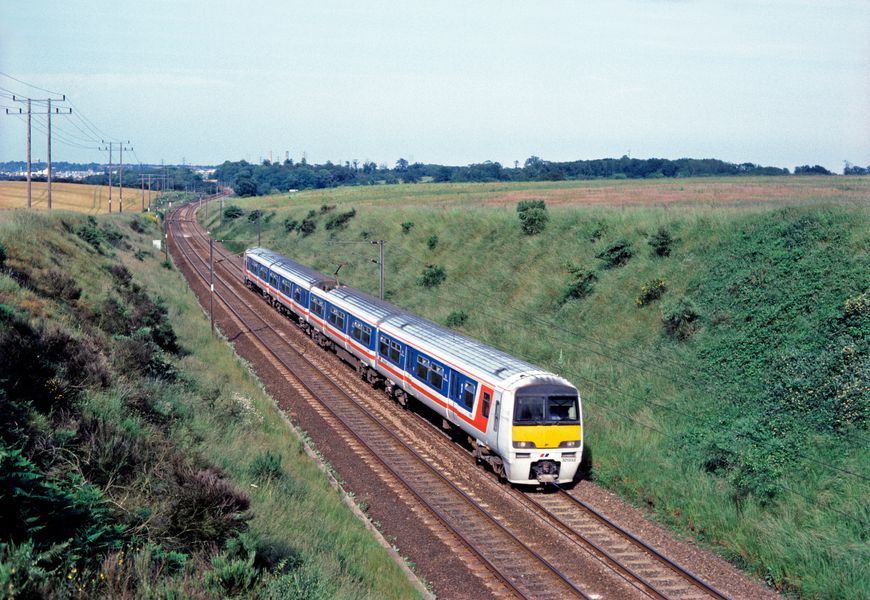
(432, 242)
(680, 318)
(233, 212)
(205, 508)
(533, 216)
(290, 225)
(661, 242)
(325, 208)
(407, 226)
(3, 255)
(255, 215)
(651, 291)
(456, 319)
(267, 466)
(340, 220)
(58, 284)
(432, 276)
(90, 233)
(581, 285)
(616, 254)
(307, 227)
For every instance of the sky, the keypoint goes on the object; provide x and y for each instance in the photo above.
(778, 82)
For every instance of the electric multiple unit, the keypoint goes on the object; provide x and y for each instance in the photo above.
(525, 422)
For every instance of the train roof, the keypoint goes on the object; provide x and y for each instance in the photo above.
(291, 267)
(498, 365)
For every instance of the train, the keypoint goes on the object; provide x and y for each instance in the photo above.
(523, 421)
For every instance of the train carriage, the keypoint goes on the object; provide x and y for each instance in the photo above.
(524, 421)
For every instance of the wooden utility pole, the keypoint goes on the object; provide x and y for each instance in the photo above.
(121, 175)
(48, 113)
(110, 172)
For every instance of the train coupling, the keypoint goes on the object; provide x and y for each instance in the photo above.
(545, 471)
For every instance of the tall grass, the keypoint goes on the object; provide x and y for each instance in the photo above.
(693, 429)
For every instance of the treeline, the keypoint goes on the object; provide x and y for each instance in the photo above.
(170, 178)
(251, 179)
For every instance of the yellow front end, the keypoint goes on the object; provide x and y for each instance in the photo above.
(546, 436)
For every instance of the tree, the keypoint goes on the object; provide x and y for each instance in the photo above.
(401, 165)
(245, 186)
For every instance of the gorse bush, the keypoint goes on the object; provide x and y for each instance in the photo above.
(407, 226)
(616, 254)
(661, 242)
(290, 224)
(307, 227)
(432, 276)
(432, 242)
(533, 216)
(340, 220)
(255, 215)
(650, 292)
(457, 318)
(233, 212)
(680, 318)
(3, 255)
(581, 285)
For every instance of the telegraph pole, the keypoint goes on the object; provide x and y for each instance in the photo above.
(48, 113)
(211, 281)
(121, 175)
(110, 172)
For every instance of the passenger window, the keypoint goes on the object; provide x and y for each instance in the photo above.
(436, 376)
(468, 390)
(366, 337)
(422, 368)
(297, 294)
(384, 347)
(395, 352)
(355, 330)
(484, 409)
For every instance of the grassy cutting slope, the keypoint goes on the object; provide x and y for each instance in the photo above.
(142, 456)
(745, 426)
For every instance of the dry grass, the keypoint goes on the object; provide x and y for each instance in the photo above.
(69, 196)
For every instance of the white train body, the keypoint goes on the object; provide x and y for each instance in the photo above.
(524, 421)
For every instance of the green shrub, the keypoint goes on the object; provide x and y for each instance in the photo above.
(233, 212)
(680, 318)
(90, 233)
(290, 225)
(340, 220)
(581, 285)
(307, 227)
(232, 576)
(432, 242)
(651, 291)
(456, 319)
(661, 242)
(267, 466)
(3, 255)
(325, 208)
(616, 254)
(255, 215)
(407, 226)
(432, 276)
(533, 216)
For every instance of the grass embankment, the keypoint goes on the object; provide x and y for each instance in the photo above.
(79, 197)
(722, 348)
(140, 458)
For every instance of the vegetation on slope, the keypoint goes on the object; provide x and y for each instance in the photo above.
(138, 456)
(723, 353)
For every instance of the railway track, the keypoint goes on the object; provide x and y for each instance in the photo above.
(640, 565)
(521, 569)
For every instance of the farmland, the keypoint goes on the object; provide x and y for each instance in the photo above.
(718, 329)
(78, 197)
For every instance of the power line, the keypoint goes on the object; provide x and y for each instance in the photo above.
(30, 84)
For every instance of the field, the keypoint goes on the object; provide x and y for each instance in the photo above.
(92, 199)
(718, 329)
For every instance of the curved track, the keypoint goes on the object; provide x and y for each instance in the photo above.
(521, 568)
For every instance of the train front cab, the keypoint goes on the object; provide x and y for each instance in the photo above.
(546, 434)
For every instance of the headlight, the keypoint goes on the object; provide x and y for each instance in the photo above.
(570, 444)
(524, 445)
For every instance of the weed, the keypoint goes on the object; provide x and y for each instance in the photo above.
(267, 466)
